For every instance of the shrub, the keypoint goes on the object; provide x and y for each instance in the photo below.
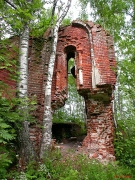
(7, 134)
(125, 143)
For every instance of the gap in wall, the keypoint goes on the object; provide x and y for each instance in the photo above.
(69, 121)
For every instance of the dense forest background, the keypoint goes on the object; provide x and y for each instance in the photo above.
(26, 18)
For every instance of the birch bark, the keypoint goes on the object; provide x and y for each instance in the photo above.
(47, 120)
(26, 148)
(23, 63)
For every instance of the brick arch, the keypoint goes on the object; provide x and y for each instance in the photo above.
(70, 50)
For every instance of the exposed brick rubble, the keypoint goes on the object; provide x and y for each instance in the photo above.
(93, 52)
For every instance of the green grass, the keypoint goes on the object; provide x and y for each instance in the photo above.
(75, 167)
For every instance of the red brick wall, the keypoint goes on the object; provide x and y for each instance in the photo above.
(94, 57)
(8, 73)
(100, 130)
(78, 38)
(39, 54)
(104, 57)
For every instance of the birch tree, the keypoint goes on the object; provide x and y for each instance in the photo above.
(60, 8)
(27, 149)
(20, 17)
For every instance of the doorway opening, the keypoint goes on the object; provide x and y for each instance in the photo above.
(69, 121)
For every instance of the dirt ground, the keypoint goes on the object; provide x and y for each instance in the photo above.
(73, 144)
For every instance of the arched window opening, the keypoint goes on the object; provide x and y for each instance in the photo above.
(70, 55)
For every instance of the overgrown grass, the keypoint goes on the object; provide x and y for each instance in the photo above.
(73, 167)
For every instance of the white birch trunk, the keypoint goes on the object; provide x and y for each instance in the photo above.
(26, 150)
(23, 63)
(47, 120)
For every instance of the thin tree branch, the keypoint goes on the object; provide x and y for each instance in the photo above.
(54, 7)
(65, 11)
(12, 5)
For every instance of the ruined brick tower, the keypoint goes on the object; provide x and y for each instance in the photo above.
(94, 71)
(93, 51)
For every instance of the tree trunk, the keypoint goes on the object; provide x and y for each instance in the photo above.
(26, 148)
(47, 120)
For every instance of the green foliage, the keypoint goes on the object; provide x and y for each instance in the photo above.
(5, 161)
(79, 167)
(10, 122)
(8, 55)
(66, 21)
(8, 117)
(125, 143)
(125, 113)
(110, 14)
(41, 24)
(16, 14)
(11, 119)
(72, 174)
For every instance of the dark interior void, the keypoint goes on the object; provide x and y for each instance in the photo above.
(65, 130)
(70, 55)
(70, 51)
(73, 71)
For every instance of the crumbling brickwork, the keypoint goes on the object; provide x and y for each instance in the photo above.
(94, 71)
(93, 51)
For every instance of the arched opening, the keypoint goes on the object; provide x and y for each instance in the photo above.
(70, 52)
(69, 121)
